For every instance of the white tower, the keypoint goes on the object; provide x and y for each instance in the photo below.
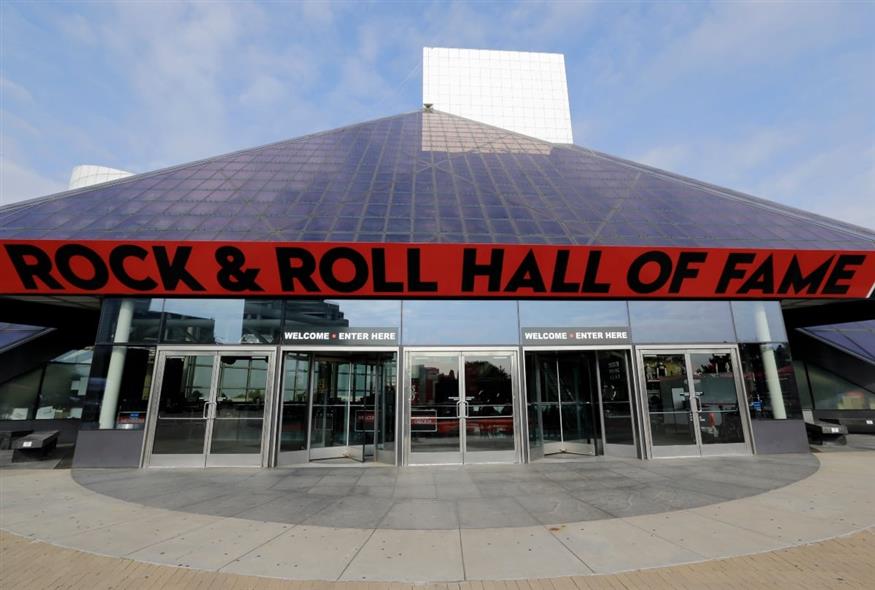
(88, 174)
(516, 90)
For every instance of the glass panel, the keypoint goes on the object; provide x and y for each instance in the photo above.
(145, 323)
(535, 431)
(18, 396)
(831, 392)
(577, 423)
(179, 437)
(185, 386)
(434, 391)
(801, 375)
(668, 399)
(672, 428)
(551, 417)
(65, 383)
(770, 381)
(134, 390)
(617, 410)
(386, 404)
(238, 436)
(330, 421)
(758, 321)
(548, 379)
(222, 321)
(240, 397)
(714, 384)
(359, 313)
(566, 314)
(489, 392)
(681, 321)
(185, 390)
(460, 322)
(365, 378)
(295, 404)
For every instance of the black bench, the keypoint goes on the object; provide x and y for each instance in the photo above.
(7, 436)
(37, 443)
(821, 432)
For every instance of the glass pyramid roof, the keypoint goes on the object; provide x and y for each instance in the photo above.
(424, 177)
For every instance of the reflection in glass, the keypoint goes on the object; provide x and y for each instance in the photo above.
(240, 398)
(222, 321)
(345, 394)
(832, 392)
(567, 314)
(616, 406)
(18, 396)
(330, 396)
(359, 313)
(562, 394)
(460, 322)
(489, 396)
(134, 390)
(295, 404)
(185, 392)
(434, 412)
(681, 321)
(770, 380)
(671, 417)
(714, 384)
(758, 321)
(145, 320)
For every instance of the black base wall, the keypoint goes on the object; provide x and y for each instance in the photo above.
(772, 437)
(108, 448)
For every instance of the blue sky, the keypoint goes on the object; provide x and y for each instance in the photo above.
(775, 99)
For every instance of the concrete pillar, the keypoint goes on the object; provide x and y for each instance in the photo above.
(770, 365)
(109, 402)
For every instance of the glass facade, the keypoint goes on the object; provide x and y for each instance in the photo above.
(340, 402)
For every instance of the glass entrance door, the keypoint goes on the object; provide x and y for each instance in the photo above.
(694, 416)
(461, 407)
(330, 404)
(562, 397)
(208, 408)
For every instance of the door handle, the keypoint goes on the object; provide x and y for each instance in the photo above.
(206, 413)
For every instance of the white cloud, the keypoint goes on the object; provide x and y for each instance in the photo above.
(264, 90)
(18, 183)
(14, 91)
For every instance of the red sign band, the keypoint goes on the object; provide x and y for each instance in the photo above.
(319, 270)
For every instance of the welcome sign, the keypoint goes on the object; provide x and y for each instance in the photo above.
(317, 270)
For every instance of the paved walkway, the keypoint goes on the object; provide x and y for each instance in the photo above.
(836, 500)
(453, 497)
(844, 562)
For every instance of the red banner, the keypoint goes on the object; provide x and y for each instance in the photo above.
(318, 270)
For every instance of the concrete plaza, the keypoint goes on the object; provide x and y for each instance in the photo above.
(561, 520)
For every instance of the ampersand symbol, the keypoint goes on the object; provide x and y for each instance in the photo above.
(232, 275)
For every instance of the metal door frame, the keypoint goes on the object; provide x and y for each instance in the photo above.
(218, 460)
(698, 449)
(461, 458)
(289, 458)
